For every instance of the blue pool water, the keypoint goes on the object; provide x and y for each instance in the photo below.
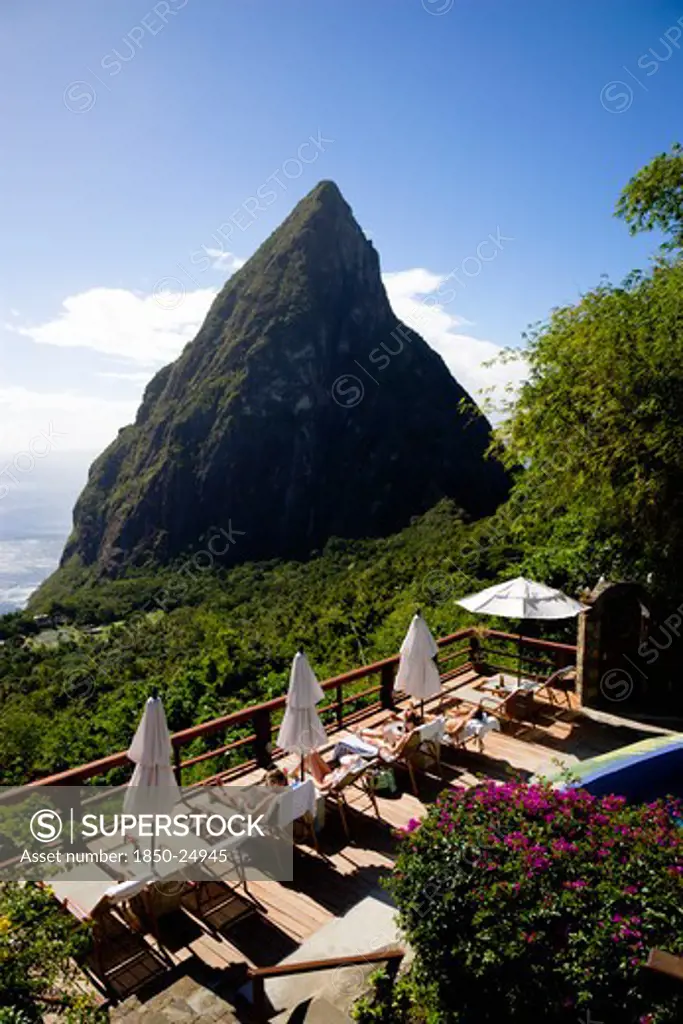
(641, 772)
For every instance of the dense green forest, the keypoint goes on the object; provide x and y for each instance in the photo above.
(598, 428)
(213, 640)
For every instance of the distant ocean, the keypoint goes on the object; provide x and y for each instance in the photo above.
(35, 520)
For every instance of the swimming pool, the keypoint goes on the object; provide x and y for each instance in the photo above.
(641, 772)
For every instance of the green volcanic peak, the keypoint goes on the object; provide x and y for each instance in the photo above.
(266, 423)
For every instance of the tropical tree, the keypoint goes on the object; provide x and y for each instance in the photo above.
(653, 198)
(598, 424)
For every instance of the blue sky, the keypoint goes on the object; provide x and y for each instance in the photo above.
(134, 129)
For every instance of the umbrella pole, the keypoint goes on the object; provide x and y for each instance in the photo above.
(519, 655)
(303, 758)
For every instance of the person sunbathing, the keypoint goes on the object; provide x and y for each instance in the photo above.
(325, 775)
(456, 721)
(392, 732)
(394, 748)
(463, 724)
(254, 800)
(275, 777)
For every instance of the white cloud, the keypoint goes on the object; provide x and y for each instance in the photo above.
(225, 260)
(146, 329)
(137, 379)
(150, 330)
(414, 296)
(76, 422)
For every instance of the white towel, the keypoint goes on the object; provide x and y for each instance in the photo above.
(351, 744)
(432, 732)
(295, 802)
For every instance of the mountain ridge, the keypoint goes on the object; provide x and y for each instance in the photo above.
(245, 426)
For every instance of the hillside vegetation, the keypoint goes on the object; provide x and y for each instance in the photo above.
(212, 640)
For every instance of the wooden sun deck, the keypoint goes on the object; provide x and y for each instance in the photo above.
(329, 883)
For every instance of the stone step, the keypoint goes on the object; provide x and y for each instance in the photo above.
(367, 927)
(319, 1011)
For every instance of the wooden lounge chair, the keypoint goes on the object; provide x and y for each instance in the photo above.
(424, 745)
(551, 688)
(462, 736)
(119, 959)
(216, 904)
(359, 779)
(212, 904)
(504, 707)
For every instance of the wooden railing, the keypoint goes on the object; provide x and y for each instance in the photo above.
(466, 649)
(501, 652)
(665, 963)
(258, 977)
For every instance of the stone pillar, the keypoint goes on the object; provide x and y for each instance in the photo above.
(588, 658)
(608, 640)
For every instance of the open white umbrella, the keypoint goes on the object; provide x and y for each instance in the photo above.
(522, 599)
(153, 788)
(418, 675)
(301, 730)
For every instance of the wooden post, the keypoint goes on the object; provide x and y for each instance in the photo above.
(177, 767)
(263, 748)
(393, 965)
(475, 651)
(386, 693)
(258, 995)
(340, 706)
(520, 645)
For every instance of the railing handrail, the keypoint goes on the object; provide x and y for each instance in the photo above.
(532, 641)
(73, 776)
(193, 732)
(665, 963)
(310, 966)
(259, 975)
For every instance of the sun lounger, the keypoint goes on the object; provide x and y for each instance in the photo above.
(550, 685)
(350, 743)
(423, 745)
(212, 900)
(348, 777)
(469, 727)
(216, 904)
(120, 959)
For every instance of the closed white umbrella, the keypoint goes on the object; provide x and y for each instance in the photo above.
(418, 675)
(522, 599)
(301, 730)
(153, 788)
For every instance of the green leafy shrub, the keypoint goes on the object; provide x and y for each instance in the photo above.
(38, 948)
(526, 903)
(388, 1002)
